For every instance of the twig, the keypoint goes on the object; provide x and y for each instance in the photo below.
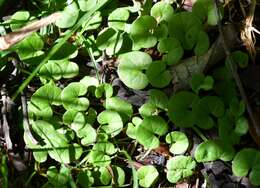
(233, 68)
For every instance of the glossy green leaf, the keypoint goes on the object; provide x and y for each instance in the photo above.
(119, 175)
(172, 50)
(87, 134)
(147, 175)
(147, 109)
(247, 160)
(86, 5)
(72, 99)
(110, 40)
(130, 69)
(111, 122)
(19, 19)
(66, 51)
(179, 108)
(141, 32)
(118, 18)
(158, 99)
(119, 105)
(94, 23)
(104, 89)
(30, 47)
(162, 11)
(180, 167)
(89, 81)
(58, 178)
(147, 131)
(158, 75)
(178, 141)
(212, 150)
(69, 16)
(105, 176)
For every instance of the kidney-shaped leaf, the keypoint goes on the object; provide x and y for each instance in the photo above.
(71, 97)
(150, 127)
(69, 16)
(245, 160)
(117, 19)
(180, 108)
(111, 122)
(130, 69)
(179, 167)
(147, 175)
(158, 75)
(212, 150)
(141, 32)
(178, 141)
(162, 11)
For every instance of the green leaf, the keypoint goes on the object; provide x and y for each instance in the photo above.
(150, 127)
(118, 18)
(94, 23)
(179, 110)
(69, 16)
(141, 32)
(43, 98)
(158, 99)
(162, 11)
(87, 134)
(86, 5)
(130, 69)
(204, 108)
(30, 47)
(131, 127)
(19, 19)
(121, 106)
(206, 10)
(147, 109)
(161, 32)
(89, 81)
(157, 74)
(180, 167)
(119, 175)
(57, 69)
(85, 179)
(178, 141)
(202, 44)
(147, 175)
(67, 50)
(111, 122)
(71, 97)
(172, 50)
(237, 108)
(212, 150)
(106, 89)
(199, 81)
(58, 178)
(110, 40)
(241, 58)
(245, 160)
(105, 176)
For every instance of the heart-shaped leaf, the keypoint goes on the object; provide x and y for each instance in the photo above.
(150, 127)
(121, 106)
(157, 74)
(179, 111)
(71, 97)
(86, 5)
(147, 109)
(43, 98)
(172, 50)
(117, 19)
(58, 178)
(245, 160)
(66, 51)
(162, 11)
(19, 19)
(147, 175)
(94, 23)
(141, 32)
(178, 141)
(69, 16)
(212, 150)
(130, 69)
(85, 179)
(158, 99)
(180, 167)
(111, 122)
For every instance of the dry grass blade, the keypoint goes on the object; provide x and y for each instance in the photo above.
(12, 38)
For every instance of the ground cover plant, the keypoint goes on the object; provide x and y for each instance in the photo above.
(107, 93)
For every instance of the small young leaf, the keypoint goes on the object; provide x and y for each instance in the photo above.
(179, 167)
(150, 127)
(158, 98)
(199, 81)
(147, 175)
(147, 109)
(178, 141)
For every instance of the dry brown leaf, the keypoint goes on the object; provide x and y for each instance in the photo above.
(12, 38)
